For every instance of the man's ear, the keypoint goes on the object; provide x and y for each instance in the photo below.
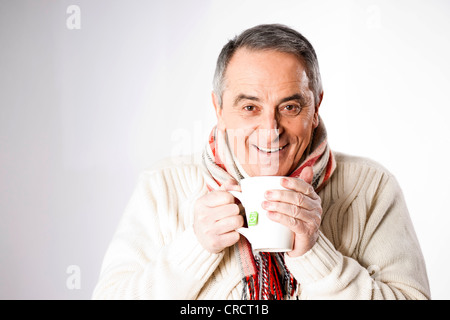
(316, 111)
(219, 111)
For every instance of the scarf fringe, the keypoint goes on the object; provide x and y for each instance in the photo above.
(274, 282)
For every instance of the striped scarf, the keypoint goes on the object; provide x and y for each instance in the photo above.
(264, 275)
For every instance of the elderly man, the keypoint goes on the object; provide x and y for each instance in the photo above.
(353, 235)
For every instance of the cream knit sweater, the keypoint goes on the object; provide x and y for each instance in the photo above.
(367, 248)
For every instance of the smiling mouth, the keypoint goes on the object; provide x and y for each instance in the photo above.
(272, 150)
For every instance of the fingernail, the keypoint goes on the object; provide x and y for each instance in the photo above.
(268, 194)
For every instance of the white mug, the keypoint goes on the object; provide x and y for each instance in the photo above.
(264, 234)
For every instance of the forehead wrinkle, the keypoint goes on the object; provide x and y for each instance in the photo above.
(263, 84)
(302, 82)
(259, 94)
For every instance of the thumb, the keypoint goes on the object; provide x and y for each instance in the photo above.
(307, 174)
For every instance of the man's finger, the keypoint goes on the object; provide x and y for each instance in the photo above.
(298, 185)
(218, 198)
(293, 211)
(230, 185)
(228, 224)
(307, 175)
(292, 198)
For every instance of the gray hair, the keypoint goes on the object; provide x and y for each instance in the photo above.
(270, 37)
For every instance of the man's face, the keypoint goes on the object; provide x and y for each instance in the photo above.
(268, 111)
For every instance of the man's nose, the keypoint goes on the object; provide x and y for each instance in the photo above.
(270, 120)
(269, 129)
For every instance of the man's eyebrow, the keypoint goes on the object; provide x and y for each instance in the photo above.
(245, 97)
(296, 96)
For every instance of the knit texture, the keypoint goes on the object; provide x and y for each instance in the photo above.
(367, 247)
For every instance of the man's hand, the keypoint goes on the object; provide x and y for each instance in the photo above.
(298, 208)
(216, 218)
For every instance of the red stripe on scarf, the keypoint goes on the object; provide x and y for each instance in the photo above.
(212, 145)
(312, 159)
(308, 163)
(330, 167)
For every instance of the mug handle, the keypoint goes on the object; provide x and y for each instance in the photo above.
(244, 231)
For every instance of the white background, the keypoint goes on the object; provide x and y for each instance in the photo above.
(83, 111)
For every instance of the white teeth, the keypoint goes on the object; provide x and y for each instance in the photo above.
(269, 150)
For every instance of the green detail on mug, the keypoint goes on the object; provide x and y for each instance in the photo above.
(253, 219)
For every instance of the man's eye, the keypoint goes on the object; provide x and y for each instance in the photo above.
(249, 108)
(291, 109)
